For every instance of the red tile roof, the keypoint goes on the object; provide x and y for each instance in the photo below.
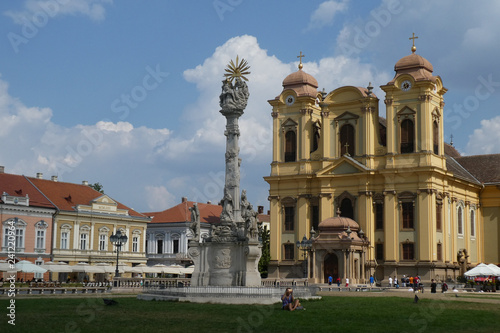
(19, 186)
(208, 213)
(486, 168)
(66, 196)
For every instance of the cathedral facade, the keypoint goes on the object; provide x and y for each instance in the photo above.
(376, 196)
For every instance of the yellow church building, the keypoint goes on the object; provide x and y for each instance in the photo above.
(377, 196)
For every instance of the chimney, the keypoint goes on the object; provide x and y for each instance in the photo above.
(54, 178)
(260, 209)
(2, 169)
(86, 183)
(39, 175)
(184, 199)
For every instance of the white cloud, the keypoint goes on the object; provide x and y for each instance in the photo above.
(188, 162)
(159, 198)
(324, 15)
(485, 140)
(35, 10)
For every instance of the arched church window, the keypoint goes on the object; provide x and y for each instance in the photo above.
(290, 146)
(407, 136)
(347, 140)
(346, 208)
(460, 220)
(435, 137)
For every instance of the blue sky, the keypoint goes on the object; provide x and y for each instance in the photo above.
(125, 93)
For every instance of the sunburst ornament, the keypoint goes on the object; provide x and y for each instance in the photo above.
(240, 69)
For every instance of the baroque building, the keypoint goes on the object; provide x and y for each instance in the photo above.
(387, 195)
(26, 217)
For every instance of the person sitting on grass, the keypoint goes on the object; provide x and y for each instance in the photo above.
(290, 303)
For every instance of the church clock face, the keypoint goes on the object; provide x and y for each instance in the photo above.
(290, 100)
(406, 85)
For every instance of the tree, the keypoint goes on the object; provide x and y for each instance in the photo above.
(98, 187)
(266, 252)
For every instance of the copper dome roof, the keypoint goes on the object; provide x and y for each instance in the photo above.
(302, 83)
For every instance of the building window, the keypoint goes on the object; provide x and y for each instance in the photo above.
(159, 246)
(407, 136)
(135, 244)
(460, 220)
(83, 241)
(435, 137)
(379, 251)
(379, 216)
(347, 140)
(176, 246)
(315, 216)
(40, 239)
(64, 240)
(289, 218)
(472, 223)
(103, 242)
(439, 252)
(19, 239)
(39, 262)
(408, 251)
(289, 250)
(439, 217)
(407, 208)
(290, 146)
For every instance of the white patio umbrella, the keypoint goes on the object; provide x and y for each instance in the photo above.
(57, 267)
(143, 268)
(6, 267)
(480, 270)
(107, 268)
(161, 267)
(495, 269)
(26, 266)
(83, 267)
(187, 270)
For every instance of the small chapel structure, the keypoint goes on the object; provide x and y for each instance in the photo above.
(410, 203)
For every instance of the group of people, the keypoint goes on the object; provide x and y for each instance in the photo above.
(330, 281)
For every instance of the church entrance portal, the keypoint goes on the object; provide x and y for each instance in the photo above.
(331, 266)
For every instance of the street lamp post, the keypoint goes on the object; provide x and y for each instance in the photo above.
(118, 240)
(305, 246)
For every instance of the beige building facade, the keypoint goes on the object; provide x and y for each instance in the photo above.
(422, 209)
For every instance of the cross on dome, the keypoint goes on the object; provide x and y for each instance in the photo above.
(300, 60)
(413, 48)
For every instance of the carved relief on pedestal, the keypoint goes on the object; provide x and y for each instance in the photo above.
(223, 259)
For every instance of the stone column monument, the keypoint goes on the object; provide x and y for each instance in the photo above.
(230, 255)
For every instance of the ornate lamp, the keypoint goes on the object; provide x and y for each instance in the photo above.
(118, 240)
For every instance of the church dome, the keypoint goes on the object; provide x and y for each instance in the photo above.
(413, 61)
(302, 83)
(338, 223)
(416, 66)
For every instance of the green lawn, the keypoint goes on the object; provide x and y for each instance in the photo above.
(331, 314)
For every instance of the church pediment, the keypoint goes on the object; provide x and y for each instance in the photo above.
(103, 204)
(343, 166)
(346, 116)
